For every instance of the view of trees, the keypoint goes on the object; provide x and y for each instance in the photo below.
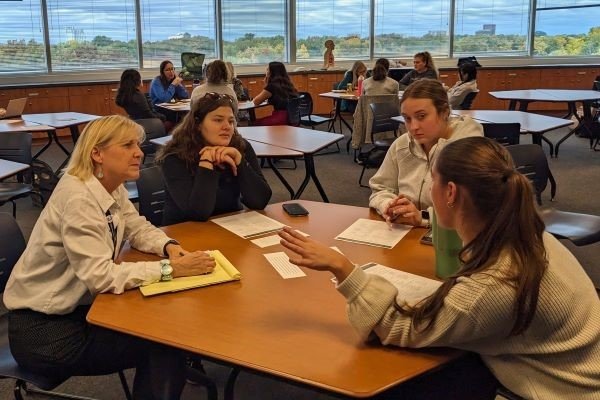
(103, 51)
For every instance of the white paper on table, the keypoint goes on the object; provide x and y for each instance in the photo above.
(248, 224)
(281, 262)
(411, 288)
(271, 240)
(374, 233)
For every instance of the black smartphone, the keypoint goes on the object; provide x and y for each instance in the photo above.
(427, 238)
(295, 209)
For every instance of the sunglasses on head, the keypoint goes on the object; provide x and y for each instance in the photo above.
(218, 96)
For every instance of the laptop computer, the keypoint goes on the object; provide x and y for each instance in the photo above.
(15, 108)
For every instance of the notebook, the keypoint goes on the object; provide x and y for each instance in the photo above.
(15, 108)
(223, 272)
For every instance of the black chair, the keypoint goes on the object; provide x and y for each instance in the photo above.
(505, 134)
(151, 189)
(154, 128)
(13, 245)
(382, 122)
(293, 110)
(580, 229)
(468, 101)
(16, 146)
(307, 118)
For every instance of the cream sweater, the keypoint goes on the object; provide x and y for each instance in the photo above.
(558, 355)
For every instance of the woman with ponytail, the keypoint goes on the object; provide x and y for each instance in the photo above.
(520, 299)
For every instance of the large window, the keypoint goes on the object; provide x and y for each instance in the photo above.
(346, 22)
(92, 34)
(567, 28)
(405, 27)
(21, 37)
(493, 28)
(171, 28)
(254, 31)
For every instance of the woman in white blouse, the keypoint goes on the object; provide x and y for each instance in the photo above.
(467, 73)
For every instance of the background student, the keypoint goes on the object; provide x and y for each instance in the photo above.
(216, 82)
(208, 167)
(400, 189)
(351, 76)
(379, 82)
(277, 91)
(424, 68)
(467, 73)
(165, 87)
(70, 258)
(520, 299)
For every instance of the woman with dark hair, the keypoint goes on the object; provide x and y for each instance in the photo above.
(278, 90)
(520, 299)
(467, 72)
(131, 99)
(380, 82)
(216, 82)
(167, 87)
(424, 68)
(400, 189)
(208, 167)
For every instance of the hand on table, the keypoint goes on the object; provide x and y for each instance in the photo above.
(403, 211)
(192, 263)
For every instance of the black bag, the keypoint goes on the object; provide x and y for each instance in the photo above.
(44, 181)
(472, 60)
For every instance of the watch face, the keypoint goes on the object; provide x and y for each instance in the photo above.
(165, 268)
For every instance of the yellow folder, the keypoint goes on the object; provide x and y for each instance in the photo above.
(223, 272)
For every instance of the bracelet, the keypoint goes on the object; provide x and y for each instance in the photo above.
(206, 160)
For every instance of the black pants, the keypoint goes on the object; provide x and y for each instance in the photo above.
(66, 345)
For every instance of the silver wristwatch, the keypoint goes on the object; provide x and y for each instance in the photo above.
(166, 271)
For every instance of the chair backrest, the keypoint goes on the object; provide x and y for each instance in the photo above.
(16, 146)
(596, 85)
(382, 114)
(306, 104)
(505, 134)
(468, 101)
(153, 127)
(531, 161)
(293, 111)
(151, 191)
(361, 132)
(13, 245)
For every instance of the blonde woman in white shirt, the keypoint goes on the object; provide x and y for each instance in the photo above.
(70, 258)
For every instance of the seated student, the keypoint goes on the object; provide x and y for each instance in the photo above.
(166, 87)
(351, 76)
(520, 299)
(278, 90)
(400, 189)
(380, 82)
(133, 101)
(70, 258)
(236, 83)
(208, 167)
(424, 68)
(216, 82)
(467, 73)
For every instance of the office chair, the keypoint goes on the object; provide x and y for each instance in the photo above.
(505, 134)
(381, 122)
(468, 101)
(153, 128)
(580, 229)
(12, 248)
(151, 189)
(293, 110)
(307, 118)
(16, 146)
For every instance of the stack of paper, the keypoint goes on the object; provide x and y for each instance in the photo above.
(249, 224)
(374, 233)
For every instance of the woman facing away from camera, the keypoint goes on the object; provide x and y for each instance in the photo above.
(208, 167)
(70, 258)
(277, 91)
(520, 299)
(216, 82)
(379, 82)
(400, 189)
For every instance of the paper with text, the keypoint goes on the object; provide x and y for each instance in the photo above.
(281, 262)
(272, 240)
(374, 233)
(411, 288)
(248, 224)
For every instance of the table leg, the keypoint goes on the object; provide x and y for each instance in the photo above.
(583, 121)
(281, 178)
(229, 385)
(74, 136)
(50, 134)
(310, 173)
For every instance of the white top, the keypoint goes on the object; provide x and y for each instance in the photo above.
(68, 259)
(200, 91)
(388, 85)
(458, 92)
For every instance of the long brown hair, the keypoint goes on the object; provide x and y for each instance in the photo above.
(428, 89)
(187, 140)
(503, 199)
(281, 81)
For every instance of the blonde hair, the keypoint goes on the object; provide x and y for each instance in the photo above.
(230, 71)
(97, 134)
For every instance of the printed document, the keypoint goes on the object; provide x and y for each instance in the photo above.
(281, 262)
(249, 224)
(374, 233)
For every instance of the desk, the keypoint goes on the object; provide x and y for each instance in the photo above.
(305, 141)
(571, 97)
(262, 150)
(10, 168)
(60, 120)
(185, 106)
(19, 125)
(294, 329)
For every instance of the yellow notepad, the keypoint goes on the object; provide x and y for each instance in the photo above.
(223, 272)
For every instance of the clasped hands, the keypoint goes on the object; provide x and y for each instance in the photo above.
(222, 156)
(402, 210)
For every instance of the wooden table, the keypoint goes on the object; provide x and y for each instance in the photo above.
(571, 97)
(185, 106)
(10, 168)
(60, 120)
(264, 151)
(294, 329)
(19, 125)
(305, 141)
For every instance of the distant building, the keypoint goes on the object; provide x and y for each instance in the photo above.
(488, 29)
